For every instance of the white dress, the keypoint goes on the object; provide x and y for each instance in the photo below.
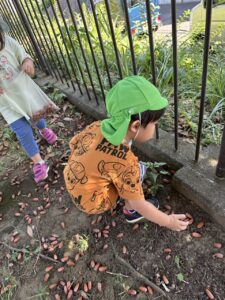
(22, 97)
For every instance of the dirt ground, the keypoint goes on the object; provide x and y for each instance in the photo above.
(97, 257)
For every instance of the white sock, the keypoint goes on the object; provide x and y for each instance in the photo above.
(41, 162)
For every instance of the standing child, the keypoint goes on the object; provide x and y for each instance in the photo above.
(21, 100)
(102, 166)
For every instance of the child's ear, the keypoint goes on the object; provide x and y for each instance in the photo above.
(134, 126)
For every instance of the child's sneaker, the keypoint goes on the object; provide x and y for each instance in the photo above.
(132, 216)
(48, 135)
(40, 171)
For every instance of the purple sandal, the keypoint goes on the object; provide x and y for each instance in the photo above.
(48, 135)
(40, 171)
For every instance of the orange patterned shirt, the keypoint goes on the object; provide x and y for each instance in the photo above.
(98, 172)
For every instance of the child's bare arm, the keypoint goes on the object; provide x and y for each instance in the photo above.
(150, 212)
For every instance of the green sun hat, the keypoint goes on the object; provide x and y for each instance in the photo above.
(130, 96)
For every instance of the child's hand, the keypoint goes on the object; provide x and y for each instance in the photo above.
(1, 91)
(177, 222)
(28, 67)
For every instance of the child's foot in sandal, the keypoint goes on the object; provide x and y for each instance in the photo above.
(132, 216)
(40, 171)
(48, 135)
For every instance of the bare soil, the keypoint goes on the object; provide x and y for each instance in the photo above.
(41, 222)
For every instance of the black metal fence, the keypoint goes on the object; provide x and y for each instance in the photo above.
(81, 47)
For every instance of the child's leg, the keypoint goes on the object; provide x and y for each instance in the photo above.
(24, 133)
(41, 124)
(46, 133)
(25, 136)
(131, 215)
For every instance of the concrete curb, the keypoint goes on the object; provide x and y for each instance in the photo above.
(194, 181)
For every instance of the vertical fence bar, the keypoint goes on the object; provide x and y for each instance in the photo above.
(59, 66)
(8, 17)
(14, 24)
(48, 53)
(101, 42)
(11, 15)
(59, 47)
(74, 53)
(151, 49)
(220, 169)
(52, 45)
(130, 37)
(175, 78)
(91, 48)
(36, 33)
(113, 38)
(65, 45)
(26, 25)
(204, 74)
(20, 26)
(151, 41)
(82, 49)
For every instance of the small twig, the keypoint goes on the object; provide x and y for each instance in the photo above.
(117, 274)
(140, 276)
(29, 252)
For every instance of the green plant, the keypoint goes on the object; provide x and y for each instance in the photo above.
(180, 277)
(152, 173)
(190, 63)
(40, 294)
(8, 284)
(8, 134)
(177, 261)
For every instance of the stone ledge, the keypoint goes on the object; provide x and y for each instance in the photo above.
(207, 193)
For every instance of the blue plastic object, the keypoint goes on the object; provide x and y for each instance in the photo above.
(138, 16)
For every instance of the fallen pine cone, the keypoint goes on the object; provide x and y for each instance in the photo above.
(200, 225)
(165, 279)
(61, 269)
(120, 235)
(53, 286)
(196, 234)
(217, 245)
(132, 292)
(65, 289)
(143, 289)
(125, 251)
(46, 277)
(102, 269)
(85, 288)
(70, 263)
(76, 288)
(218, 255)
(209, 294)
(106, 246)
(89, 285)
(19, 256)
(167, 250)
(92, 264)
(64, 259)
(70, 294)
(150, 290)
(48, 269)
(96, 266)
